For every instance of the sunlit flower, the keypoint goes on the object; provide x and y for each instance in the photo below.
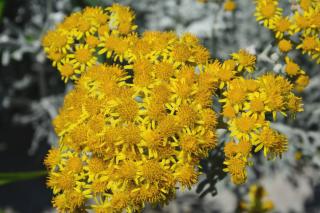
(266, 10)
(285, 45)
(245, 59)
(291, 67)
(281, 26)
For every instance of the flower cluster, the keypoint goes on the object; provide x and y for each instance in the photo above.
(140, 117)
(247, 107)
(257, 201)
(135, 127)
(72, 46)
(299, 29)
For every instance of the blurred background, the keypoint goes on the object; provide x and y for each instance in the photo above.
(31, 93)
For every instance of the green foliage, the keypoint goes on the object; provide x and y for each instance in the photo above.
(2, 3)
(10, 177)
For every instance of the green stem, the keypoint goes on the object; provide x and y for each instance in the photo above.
(10, 177)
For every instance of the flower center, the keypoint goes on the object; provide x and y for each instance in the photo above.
(83, 55)
(66, 70)
(268, 10)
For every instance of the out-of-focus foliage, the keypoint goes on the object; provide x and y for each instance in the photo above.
(2, 3)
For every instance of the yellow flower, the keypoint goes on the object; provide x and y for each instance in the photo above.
(229, 5)
(230, 149)
(298, 155)
(276, 89)
(285, 45)
(266, 10)
(121, 19)
(310, 45)
(228, 111)
(85, 27)
(53, 158)
(244, 126)
(67, 70)
(82, 58)
(92, 41)
(246, 61)
(272, 142)
(233, 149)
(226, 72)
(301, 22)
(236, 166)
(113, 44)
(281, 26)
(256, 106)
(294, 104)
(186, 175)
(307, 4)
(57, 40)
(301, 82)
(62, 181)
(291, 68)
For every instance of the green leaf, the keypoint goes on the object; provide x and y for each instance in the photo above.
(1, 8)
(10, 177)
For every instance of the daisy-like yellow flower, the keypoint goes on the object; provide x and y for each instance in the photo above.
(82, 58)
(310, 45)
(272, 142)
(244, 126)
(113, 44)
(266, 10)
(85, 27)
(301, 82)
(55, 56)
(277, 88)
(301, 22)
(236, 166)
(257, 104)
(294, 104)
(306, 4)
(291, 68)
(121, 19)
(246, 61)
(285, 45)
(66, 69)
(225, 72)
(58, 41)
(235, 96)
(281, 26)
